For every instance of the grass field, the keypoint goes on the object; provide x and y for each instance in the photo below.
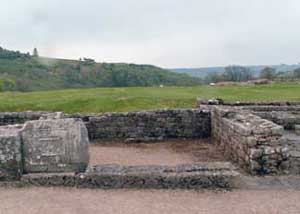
(140, 98)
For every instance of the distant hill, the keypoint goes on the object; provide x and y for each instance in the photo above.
(204, 71)
(23, 72)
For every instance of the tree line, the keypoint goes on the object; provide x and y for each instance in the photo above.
(243, 74)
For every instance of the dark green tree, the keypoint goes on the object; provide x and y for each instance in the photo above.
(296, 73)
(268, 73)
(237, 73)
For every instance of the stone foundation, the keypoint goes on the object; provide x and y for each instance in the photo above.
(193, 176)
(260, 138)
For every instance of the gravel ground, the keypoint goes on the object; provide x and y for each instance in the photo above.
(85, 201)
(171, 152)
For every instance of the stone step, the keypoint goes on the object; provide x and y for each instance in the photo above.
(190, 176)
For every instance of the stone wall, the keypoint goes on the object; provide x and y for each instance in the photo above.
(275, 104)
(10, 118)
(287, 119)
(150, 125)
(255, 144)
(189, 176)
(10, 154)
(133, 126)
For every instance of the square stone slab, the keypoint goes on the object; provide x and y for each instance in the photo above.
(59, 145)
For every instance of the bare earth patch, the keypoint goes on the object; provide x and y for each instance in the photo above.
(170, 152)
(78, 201)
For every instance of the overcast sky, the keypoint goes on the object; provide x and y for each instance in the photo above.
(167, 33)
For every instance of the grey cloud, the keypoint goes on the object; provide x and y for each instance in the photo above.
(168, 33)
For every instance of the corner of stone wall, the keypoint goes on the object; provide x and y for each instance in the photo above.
(255, 144)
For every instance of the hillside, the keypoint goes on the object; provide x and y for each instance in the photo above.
(204, 71)
(23, 72)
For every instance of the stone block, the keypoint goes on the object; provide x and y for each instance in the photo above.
(10, 153)
(297, 129)
(59, 145)
(256, 154)
(53, 116)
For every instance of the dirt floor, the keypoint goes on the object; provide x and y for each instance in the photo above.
(163, 153)
(85, 201)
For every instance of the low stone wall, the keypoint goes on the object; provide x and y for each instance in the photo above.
(193, 176)
(133, 126)
(263, 108)
(150, 125)
(11, 118)
(275, 104)
(287, 119)
(255, 144)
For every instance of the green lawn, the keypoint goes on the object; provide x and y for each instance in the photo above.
(140, 98)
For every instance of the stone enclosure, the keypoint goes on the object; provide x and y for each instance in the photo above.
(51, 149)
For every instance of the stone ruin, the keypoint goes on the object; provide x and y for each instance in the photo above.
(43, 146)
(51, 149)
(261, 138)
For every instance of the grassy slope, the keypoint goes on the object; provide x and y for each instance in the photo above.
(36, 74)
(139, 98)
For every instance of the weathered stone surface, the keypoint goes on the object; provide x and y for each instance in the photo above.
(255, 144)
(10, 118)
(130, 127)
(287, 119)
(10, 153)
(55, 146)
(53, 116)
(294, 151)
(150, 125)
(193, 176)
(259, 105)
(297, 129)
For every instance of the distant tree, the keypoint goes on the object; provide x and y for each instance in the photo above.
(87, 61)
(296, 73)
(268, 73)
(7, 54)
(237, 73)
(8, 85)
(35, 52)
(214, 77)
